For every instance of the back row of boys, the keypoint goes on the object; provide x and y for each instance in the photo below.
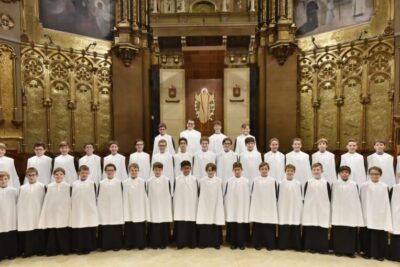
(203, 150)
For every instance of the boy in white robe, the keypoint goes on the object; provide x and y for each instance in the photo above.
(110, 209)
(159, 193)
(240, 142)
(84, 216)
(327, 159)
(185, 207)
(166, 159)
(162, 129)
(217, 138)
(394, 249)
(55, 215)
(300, 160)
(8, 218)
(67, 162)
(142, 159)
(41, 162)
(290, 207)
(182, 155)
(384, 161)
(250, 159)
(276, 160)
(29, 206)
(7, 165)
(263, 209)
(346, 214)
(225, 161)
(192, 136)
(136, 209)
(210, 211)
(93, 162)
(202, 158)
(355, 161)
(237, 204)
(117, 159)
(375, 205)
(316, 212)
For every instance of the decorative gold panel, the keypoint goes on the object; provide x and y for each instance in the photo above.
(66, 96)
(352, 93)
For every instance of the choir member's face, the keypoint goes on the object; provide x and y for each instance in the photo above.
(2, 151)
(217, 128)
(374, 175)
(237, 171)
(162, 146)
(264, 171)
(89, 149)
(379, 147)
(351, 147)
(250, 146)
(190, 125)
(133, 171)
(58, 177)
(182, 146)
(4, 181)
(227, 146)
(110, 171)
(289, 174)
(296, 146)
(210, 172)
(113, 149)
(39, 151)
(322, 146)
(246, 130)
(316, 172)
(344, 175)
(83, 175)
(186, 170)
(157, 172)
(32, 177)
(139, 146)
(204, 145)
(64, 150)
(162, 130)
(274, 146)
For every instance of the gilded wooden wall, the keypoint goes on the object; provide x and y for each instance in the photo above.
(66, 96)
(346, 91)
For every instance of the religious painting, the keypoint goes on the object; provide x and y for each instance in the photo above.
(93, 18)
(318, 16)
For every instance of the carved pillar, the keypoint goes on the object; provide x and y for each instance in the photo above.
(396, 111)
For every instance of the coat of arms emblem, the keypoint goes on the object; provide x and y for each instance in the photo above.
(204, 105)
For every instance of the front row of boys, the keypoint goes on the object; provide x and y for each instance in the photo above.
(46, 224)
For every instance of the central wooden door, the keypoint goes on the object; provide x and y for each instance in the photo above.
(204, 74)
(204, 103)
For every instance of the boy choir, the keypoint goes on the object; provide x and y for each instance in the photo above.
(284, 202)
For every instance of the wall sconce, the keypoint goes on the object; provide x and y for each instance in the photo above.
(163, 59)
(176, 59)
(244, 58)
(231, 58)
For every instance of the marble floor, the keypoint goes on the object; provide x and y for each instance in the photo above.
(198, 257)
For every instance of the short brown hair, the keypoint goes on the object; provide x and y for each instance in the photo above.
(237, 164)
(217, 123)
(162, 141)
(133, 165)
(375, 168)
(158, 165)
(58, 170)
(262, 164)
(227, 139)
(316, 165)
(350, 140)
(139, 140)
(39, 144)
(245, 124)
(297, 139)
(84, 168)
(322, 140)
(4, 174)
(63, 144)
(273, 139)
(88, 144)
(380, 141)
(113, 142)
(204, 138)
(32, 169)
(344, 168)
(290, 166)
(110, 165)
(212, 166)
(2, 145)
(162, 125)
